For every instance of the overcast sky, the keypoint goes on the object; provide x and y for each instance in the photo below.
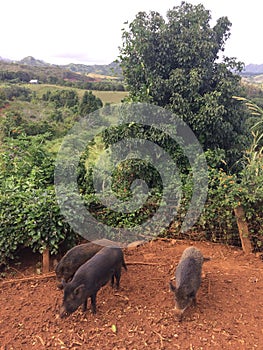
(89, 31)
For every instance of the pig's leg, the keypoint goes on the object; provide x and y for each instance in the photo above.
(117, 275)
(93, 303)
(84, 305)
(112, 280)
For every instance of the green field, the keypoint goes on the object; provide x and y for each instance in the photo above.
(111, 96)
(106, 96)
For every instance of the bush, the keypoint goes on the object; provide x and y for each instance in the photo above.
(62, 98)
(31, 218)
(30, 215)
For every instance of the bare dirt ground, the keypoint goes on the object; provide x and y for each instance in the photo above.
(140, 315)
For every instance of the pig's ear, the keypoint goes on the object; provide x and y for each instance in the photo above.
(172, 287)
(79, 290)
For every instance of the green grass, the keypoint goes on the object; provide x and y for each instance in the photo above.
(113, 97)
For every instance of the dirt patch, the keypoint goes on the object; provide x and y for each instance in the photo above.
(140, 315)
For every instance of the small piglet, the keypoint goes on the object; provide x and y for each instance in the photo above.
(90, 277)
(73, 259)
(188, 279)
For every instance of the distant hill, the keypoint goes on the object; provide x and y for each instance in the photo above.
(31, 61)
(31, 68)
(253, 69)
(37, 69)
(253, 73)
(5, 59)
(24, 71)
(112, 69)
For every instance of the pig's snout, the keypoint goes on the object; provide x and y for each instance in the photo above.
(60, 285)
(63, 312)
(179, 313)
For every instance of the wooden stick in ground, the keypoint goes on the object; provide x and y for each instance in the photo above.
(45, 258)
(143, 263)
(52, 274)
(29, 278)
(243, 229)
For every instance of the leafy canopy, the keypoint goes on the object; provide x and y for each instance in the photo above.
(174, 63)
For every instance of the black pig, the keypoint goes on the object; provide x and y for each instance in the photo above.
(73, 259)
(90, 277)
(188, 279)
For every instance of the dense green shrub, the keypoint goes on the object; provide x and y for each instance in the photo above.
(31, 218)
(16, 91)
(89, 103)
(30, 215)
(14, 124)
(62, 98)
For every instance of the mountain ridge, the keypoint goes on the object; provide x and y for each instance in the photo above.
(253, 69)
(111, 69)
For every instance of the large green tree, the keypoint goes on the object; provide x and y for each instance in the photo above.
(89, 103)
(174, 63)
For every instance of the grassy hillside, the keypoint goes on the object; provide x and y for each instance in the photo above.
(31, 68)
(111, 96)
(24, 73)
(255, 79)
(105, 96)
(24, 109)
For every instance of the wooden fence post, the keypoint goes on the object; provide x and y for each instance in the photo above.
(243, 229)
(45, 261)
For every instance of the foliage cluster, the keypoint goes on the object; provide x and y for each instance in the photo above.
(53, 112)
(30, 215)
(62, 98)
(174, 64)
(14, 124)
(101, 85)
(217, 222)
(11, 92)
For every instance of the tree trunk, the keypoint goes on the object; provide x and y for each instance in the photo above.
(45, 260)
(243, 229)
